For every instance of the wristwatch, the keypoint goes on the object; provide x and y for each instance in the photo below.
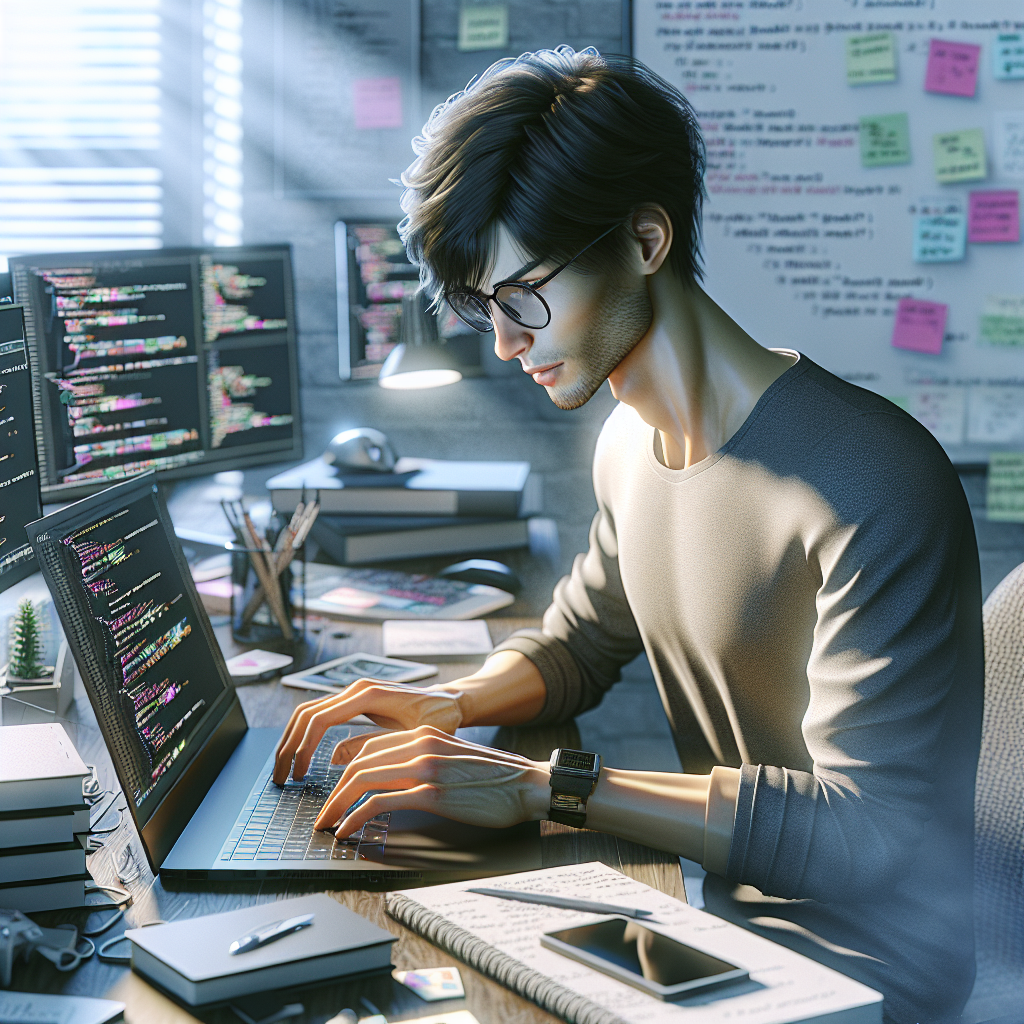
(574, 775)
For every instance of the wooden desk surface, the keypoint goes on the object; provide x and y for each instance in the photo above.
(122, 862)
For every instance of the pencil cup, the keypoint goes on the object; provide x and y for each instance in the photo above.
(254, 619)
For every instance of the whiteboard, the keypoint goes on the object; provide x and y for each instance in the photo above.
(806, 248)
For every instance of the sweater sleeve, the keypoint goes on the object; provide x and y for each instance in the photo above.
(588, 632)
(895, 680)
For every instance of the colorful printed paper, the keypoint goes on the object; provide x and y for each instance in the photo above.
(920, 326)
(377, 102)
(870, 58)
(995, 415)
(483, 28)
(1002, 320)
(960, 156)
(884, 140)
(952, 68)
(1008, 134)
(1006, 487)
(940, 238)
(432, 983)
(1008, 55)
(994, 216)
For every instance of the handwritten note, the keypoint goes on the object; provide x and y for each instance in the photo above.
(884, 140)
(920, 325)
(952, 68)
(483, 28)
(1008, 134)
(995, 415)
(940, 238)
(377, 102)
(994, 216)
(1002, 320)
(940, 410)
(1008, 55)
(960, 156)
(870, 58)
(1006, 487)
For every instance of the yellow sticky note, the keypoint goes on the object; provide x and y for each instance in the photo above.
(1005, 502)
(870, 58)
(960, 156)
(483, 28)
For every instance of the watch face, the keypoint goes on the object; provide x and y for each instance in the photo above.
(577, 760)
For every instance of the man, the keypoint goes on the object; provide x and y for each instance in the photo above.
(794, 554)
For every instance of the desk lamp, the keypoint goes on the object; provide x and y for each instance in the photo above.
(420, 359)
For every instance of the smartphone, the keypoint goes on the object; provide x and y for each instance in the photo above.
(332, 676)
(627, 950)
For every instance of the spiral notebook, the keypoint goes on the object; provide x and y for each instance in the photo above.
(502, 940)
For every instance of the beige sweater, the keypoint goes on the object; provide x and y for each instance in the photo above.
(809, 594)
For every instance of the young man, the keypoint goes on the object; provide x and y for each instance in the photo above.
(794, 554)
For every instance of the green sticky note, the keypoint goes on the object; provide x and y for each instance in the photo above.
(1006, 487)
(483, 28)
(884, 140)
(870, 58)
(960, 156)
(1002, 320)
(901, 400)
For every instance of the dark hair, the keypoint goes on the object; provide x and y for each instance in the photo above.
(557, 146)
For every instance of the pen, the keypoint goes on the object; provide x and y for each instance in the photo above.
(269, 933)
(560, 901)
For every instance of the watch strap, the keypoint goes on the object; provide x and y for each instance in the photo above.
(575, 785)
(568, 810)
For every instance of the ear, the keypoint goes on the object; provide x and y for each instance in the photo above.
(652, 229)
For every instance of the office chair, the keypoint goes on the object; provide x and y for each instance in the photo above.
(998, 994)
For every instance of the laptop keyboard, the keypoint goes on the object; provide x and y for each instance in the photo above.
(276, 822)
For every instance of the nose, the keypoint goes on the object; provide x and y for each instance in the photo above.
(511, 339)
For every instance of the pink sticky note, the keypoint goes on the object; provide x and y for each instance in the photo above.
(919, 326)
(994, 217)
(377, 102)
(952, 68)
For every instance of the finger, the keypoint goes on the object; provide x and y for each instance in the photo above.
(348, 749)
(292, 736)
(395, 776)
(422, 798)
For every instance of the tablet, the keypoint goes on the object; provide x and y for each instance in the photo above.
(332, 676)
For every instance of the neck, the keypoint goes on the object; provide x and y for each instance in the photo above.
(695, 375)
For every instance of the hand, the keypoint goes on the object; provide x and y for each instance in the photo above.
(388, 704)
(428, 770)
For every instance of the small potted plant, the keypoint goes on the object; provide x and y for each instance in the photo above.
(24, 649)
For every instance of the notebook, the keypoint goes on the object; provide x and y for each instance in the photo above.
(501, 938)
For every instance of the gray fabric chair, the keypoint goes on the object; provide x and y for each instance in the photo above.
(999, 814)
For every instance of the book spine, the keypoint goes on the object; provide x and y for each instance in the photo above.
(501, 967)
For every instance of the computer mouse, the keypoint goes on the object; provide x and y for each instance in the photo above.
(486, 571)
(361, 450)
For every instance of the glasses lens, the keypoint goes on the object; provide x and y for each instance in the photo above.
(523, 304)
(470, 310)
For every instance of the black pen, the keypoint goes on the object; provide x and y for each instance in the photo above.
(589, 906)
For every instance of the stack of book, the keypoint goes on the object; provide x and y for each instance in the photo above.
(43, 819)
(424, 507)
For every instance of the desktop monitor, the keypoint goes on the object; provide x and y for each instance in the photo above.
(178, 360)
(19, 477)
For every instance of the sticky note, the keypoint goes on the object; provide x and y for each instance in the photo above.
(484, 27)
(920, 326)
(994, 216)
(1002, 320)
(1008, 55)
(940, 238)
(1008, 133)
(952, 68)
(940, 410)
(960, 156)
(432, 983)
(995, 415)
(1005, 499)
(870, 58)
(884, 140)
(377, 102)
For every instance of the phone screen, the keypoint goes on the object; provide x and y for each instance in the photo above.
(648, 954)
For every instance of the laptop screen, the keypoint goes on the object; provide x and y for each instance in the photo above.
(150, 662)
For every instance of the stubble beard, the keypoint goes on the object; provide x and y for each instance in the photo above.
(620, 319)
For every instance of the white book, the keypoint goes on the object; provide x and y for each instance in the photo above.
(41, 828)
(501, 938)
(39, 767)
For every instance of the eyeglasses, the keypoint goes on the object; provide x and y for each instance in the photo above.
(519, 300)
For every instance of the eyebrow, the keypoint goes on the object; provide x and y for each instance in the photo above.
(519, 273)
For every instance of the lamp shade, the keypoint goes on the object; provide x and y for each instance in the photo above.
(418, 361)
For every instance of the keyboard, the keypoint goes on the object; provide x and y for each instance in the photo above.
(276, 822)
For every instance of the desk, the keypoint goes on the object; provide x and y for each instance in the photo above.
(121, 861)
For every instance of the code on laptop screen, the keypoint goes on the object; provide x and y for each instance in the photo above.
(143, 642)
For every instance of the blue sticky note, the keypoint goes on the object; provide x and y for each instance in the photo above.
(1008, 55)
(940, 238)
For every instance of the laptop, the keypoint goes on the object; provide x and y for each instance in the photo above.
(195, 776)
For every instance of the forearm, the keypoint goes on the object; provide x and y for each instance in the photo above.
(507, 690)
